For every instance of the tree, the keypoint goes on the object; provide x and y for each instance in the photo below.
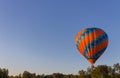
(117, 68)
(3, 73)
(100, 71)
(33, 75)
(66, 76)
(27, 74)
(57, 75)
(82, 74)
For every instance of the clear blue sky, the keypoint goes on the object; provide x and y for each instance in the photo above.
(38, 35)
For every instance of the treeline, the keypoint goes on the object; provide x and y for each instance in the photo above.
(100, 71)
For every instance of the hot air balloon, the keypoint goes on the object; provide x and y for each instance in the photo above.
(91, 43)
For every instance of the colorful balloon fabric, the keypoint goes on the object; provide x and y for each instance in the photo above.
(91, 43)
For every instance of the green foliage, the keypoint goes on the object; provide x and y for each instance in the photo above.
(57, 75)
(100, 71)
(3, 73)
(27, 74)
(82, 74)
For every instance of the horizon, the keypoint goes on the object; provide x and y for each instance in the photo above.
(56, 72)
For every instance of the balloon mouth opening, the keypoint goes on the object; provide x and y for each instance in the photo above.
(92, 61)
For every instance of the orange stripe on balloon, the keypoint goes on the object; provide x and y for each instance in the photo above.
(76, 38)
(88, 38)
(78, 34)
(98, 48)
(92, 61)
(81, 47)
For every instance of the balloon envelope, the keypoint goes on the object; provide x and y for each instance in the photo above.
(91, 43)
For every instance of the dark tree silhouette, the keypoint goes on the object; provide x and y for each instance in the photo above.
(100, 71)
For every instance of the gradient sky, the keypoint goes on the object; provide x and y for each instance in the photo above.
(38, 35)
